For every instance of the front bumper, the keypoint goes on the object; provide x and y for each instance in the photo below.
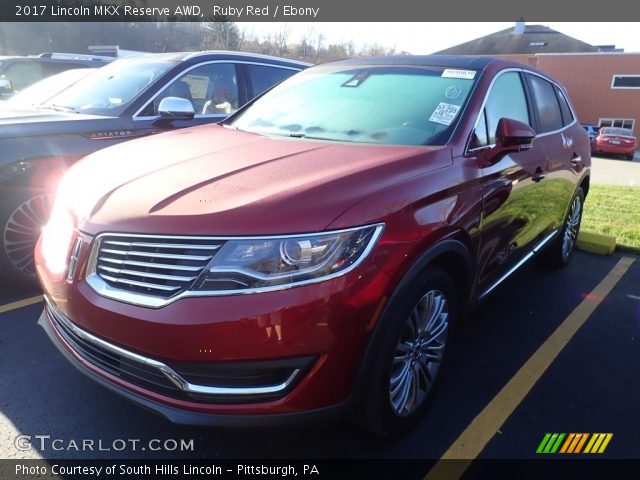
(185, 417)
(315, 337)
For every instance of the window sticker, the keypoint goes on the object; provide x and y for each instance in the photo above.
(456, 73)
(444, 113)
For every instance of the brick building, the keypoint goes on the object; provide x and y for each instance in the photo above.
(604, 84)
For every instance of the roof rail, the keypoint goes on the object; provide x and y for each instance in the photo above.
(74, 56)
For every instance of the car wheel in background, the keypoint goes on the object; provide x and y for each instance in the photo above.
(409, 354)
(23, 213)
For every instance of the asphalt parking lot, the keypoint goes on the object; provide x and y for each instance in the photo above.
(591, 386)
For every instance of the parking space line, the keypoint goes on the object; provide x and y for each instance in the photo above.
(481, 430)
(20, 303)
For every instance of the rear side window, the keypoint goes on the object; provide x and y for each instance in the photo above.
(506, 100)
(546, 104)
(263, 77)
(567, 116)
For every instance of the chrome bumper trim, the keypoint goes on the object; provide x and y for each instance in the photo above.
(167, 371)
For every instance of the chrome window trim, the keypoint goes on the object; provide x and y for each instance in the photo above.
(103, 289)
(489, 90)
(167, 371)
(137, 116)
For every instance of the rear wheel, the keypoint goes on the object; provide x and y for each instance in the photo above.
(23, 213)
(409, 354)
(559, 252)
(630, 156)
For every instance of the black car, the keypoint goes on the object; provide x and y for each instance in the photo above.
(128, 98)
(17, 73)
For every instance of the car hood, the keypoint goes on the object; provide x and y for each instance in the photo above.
(25, 123)
(211, 180)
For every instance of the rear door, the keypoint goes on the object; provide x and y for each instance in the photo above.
(566, 146)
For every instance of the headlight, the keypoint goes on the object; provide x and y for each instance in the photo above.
(245, 264)
(56, 239)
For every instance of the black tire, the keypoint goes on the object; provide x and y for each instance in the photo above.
(23, 212)
(558, 253)
(630, 156)
(378, 412)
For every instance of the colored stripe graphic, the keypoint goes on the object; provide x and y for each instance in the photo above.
(581, 443)
(574, 443)
(543, 443)
(550, 443)
(567, 443)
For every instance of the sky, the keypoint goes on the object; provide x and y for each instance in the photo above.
(438, 36)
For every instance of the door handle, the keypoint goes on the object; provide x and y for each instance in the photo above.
(576, 159)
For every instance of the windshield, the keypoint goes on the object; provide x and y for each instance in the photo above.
(41, 91)
(112, 88)
(616, 131)
(403, 105)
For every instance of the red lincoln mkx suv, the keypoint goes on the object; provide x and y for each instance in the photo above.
(317, 245)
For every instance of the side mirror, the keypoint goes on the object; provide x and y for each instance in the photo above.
(6, 86)
(511, 136)
(176, 108)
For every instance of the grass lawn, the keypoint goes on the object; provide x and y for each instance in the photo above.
(614, 210)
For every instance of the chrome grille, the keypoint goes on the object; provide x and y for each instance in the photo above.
(162, 266)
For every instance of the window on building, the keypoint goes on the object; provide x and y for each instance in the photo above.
(626, 81)
(617, 122)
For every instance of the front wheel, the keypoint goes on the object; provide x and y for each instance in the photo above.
(409, 354)
(559, 252)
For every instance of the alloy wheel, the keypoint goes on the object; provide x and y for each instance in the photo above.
(572, 226)
(22, 230)
(419, 353)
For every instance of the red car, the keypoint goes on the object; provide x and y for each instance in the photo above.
(617, 141)
(309, 256)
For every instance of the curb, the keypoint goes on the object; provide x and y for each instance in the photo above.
(596, 243)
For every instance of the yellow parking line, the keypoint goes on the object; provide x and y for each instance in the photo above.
(20, 303)
(481, 430)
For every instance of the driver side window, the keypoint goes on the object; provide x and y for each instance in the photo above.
(211, 88)
(506, 100)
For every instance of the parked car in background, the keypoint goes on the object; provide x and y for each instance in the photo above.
(17, 73)
(310, 254)
(615, 141)
(592, 130)
(38, 93)
(129, 98)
